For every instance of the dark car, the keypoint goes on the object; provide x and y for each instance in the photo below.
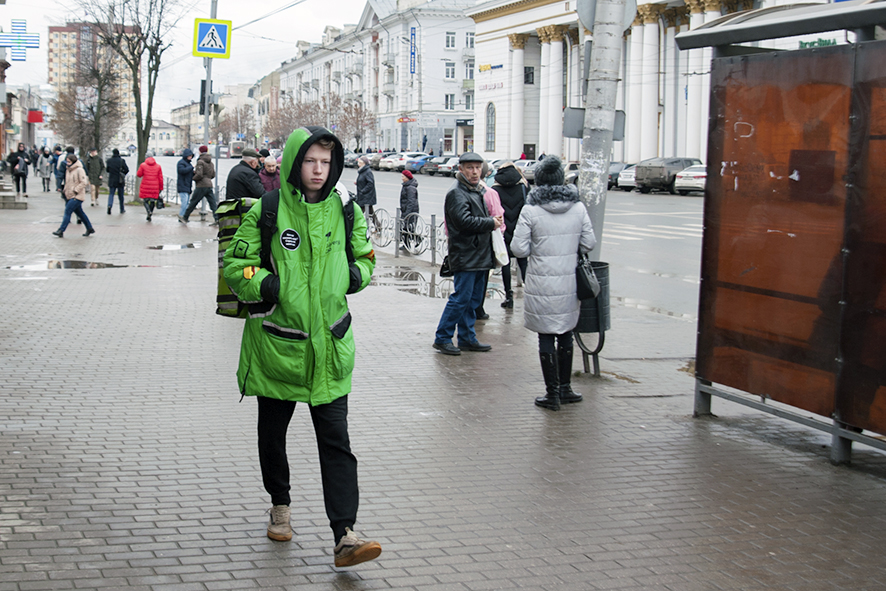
(432, 166)
(660, 173)
(376, 158)
(416, 165)
(169, 152)
(351, 159)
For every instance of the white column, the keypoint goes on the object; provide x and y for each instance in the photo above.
(670, 98)
(682, 68)
(573, 150)
(543, 92)
(712, 11)
(694, 123)
(518, 41)
(649, 81)
(634, 94)
(555, 106)
(619, 154)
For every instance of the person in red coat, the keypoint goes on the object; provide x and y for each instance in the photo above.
(152, 183)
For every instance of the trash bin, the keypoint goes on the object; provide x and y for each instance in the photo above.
(594, 314)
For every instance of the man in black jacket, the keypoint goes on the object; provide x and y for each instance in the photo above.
(366, 197)
(117, 171)
(243, 179)
(470, 256)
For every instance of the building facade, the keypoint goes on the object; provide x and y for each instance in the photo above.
(530, 65)
(74, 45)
(189, 120)
(409, 63)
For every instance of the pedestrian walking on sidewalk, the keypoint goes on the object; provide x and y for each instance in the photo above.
(204, 172)
(19, 161)
(470, 227)
(45, 168)
(60, 167)
(366, 197)
(75, 192)
(512, 189)
(408, 206)
(152, 183)
(184, 180)
(117, 171)
(298, 345)
(552, 228)
(95, 168)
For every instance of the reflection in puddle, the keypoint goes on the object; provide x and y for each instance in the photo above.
(428, 284)
(52, 264)
(175, 246)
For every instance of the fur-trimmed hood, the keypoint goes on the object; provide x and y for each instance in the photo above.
(553, 198)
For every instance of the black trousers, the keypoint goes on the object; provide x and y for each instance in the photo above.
(546, 341)
(338, 466)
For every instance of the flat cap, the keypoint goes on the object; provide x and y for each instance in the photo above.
(470, 157)
(249, 153)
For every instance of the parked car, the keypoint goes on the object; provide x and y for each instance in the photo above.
(660, 173)
(625, 179)
(169, 152)
(398, 160)
(448, 168)
(570, 172)
(523, 165)
(615, 169)
(351, 159)
(691, 179)
(432, 166)
(416, 165)
(375, 161)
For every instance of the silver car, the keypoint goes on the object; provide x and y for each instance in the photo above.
(626, 178)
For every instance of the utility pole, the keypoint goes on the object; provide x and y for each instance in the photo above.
(599, 123)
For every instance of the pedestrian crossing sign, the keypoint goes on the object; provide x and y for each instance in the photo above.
(212, 38)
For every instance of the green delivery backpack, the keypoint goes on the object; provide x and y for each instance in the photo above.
(230, 215)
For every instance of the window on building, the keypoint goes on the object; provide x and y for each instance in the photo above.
(469, 69)
(449, 102)
(528, 75)
(450, 39)
(450, 70)
(447, 140)
(469, 101)
(490, 127)
(469, 40)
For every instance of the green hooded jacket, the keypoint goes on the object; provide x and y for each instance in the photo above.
(302, 348)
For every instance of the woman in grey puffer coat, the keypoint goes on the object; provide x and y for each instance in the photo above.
(552, 227)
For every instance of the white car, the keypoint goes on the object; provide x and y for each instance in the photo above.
(387, 163)
(398, 161)
(626, 179)
(449, 167)
(691, 179)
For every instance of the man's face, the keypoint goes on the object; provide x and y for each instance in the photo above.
(471, 171)
(315, 168)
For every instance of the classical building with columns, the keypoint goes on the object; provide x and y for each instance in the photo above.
(529, 67)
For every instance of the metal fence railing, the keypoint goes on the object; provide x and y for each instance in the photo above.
(412, 233)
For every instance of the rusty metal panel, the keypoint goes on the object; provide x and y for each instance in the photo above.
(775, 217)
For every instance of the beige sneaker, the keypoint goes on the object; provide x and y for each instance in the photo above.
(278, 527)
(351, 550)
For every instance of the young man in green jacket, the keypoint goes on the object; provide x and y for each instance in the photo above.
(298, 345)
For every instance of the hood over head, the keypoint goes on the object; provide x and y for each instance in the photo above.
(186, 152)
(508, 176)
(297, 145)
(150, 161)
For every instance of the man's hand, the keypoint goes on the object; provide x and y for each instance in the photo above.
(499, 220)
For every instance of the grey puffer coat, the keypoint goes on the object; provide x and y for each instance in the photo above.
(553, 225)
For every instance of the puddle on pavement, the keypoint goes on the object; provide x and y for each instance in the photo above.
(197, 244)
(427, 284)
(54, 264)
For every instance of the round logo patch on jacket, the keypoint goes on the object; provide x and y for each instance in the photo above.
(290, 239)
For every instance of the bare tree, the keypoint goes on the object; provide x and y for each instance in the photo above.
(356, 121)
(281, 122)
(88, 113)
(236, 121)
(139, 31)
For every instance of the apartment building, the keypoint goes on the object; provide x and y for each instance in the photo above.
(75, 44)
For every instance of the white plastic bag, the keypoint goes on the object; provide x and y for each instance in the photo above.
(499, 249)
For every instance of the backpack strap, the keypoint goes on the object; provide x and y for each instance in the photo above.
(267, 224)
(348, 210)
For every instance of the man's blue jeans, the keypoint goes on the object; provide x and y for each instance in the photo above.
(184, 198)
(71, 207)
(111, 192)
(460, 308)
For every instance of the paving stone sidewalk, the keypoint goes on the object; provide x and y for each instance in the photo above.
(128, 460)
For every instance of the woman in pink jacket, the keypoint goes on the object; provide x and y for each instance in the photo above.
(152, 183)
(493, 206)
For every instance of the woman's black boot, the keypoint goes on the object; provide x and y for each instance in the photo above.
(509, 300)
(550, 371)
(564, 360)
